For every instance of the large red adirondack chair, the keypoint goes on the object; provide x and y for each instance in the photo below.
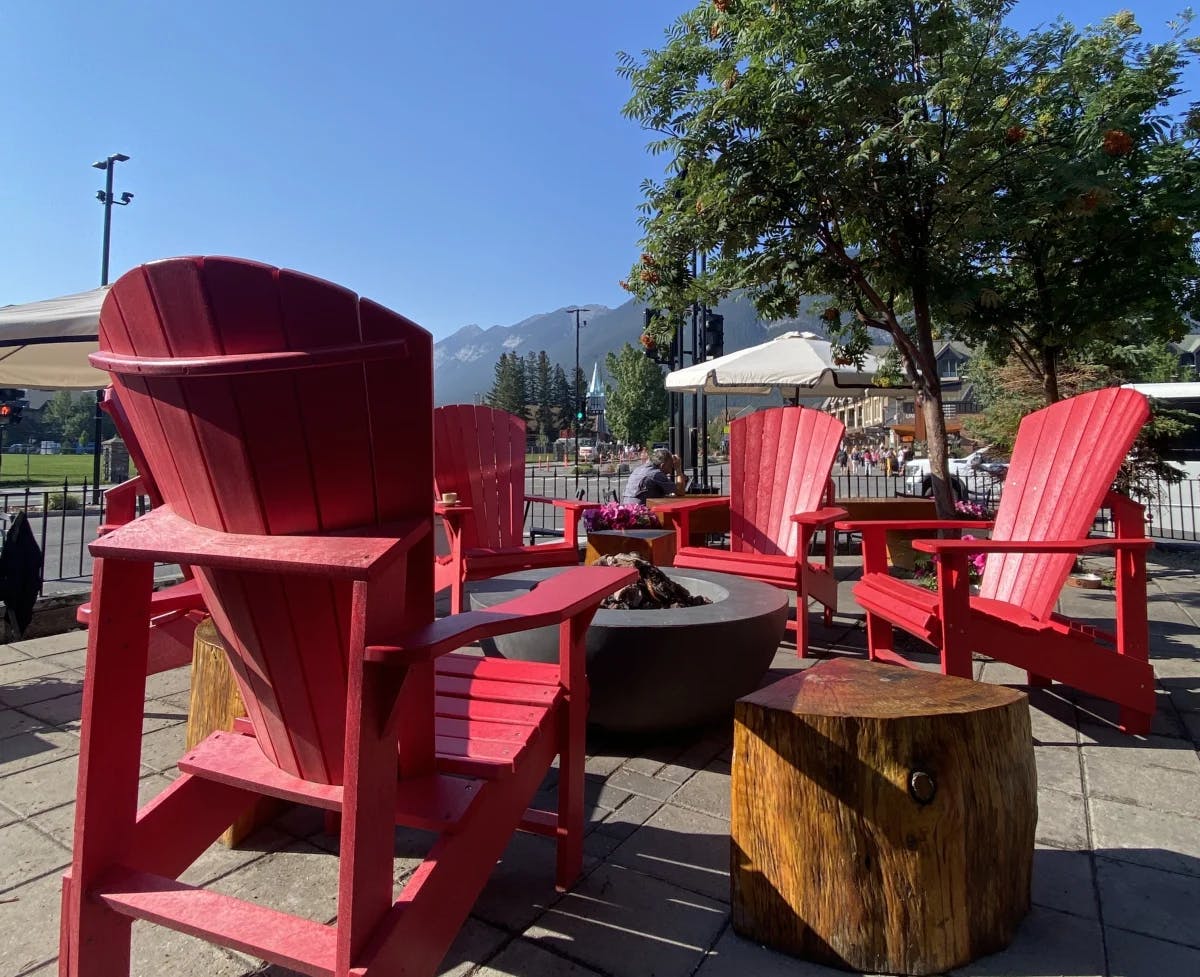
(780, 494)
(1063, 463)
(311, 537)
(479, 454)
(174, 610)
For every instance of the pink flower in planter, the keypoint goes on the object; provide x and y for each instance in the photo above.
(615, 515)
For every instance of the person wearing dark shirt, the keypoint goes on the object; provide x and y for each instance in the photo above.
(658, 476)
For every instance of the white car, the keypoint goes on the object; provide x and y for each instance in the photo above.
(969, 480)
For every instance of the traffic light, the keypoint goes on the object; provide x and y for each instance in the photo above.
(659, 354)
(714, 335)
(10, 413)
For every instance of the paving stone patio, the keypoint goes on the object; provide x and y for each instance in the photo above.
(1116, 872)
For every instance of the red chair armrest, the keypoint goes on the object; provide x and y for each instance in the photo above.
(912, 525)
(576, 505)
(162, 536)
(550, 602)
(1028, 546)
(820, 517)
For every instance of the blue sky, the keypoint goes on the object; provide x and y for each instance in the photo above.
(460, 162)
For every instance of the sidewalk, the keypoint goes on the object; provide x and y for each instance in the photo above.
(1116, 873)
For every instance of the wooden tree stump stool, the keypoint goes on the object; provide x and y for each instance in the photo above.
(214, 704)
(883, 817)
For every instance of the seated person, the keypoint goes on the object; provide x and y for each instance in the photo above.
(658, 476)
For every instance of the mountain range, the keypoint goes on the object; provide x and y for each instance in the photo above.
(464, 362)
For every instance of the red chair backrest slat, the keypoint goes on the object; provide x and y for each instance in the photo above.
(780, 462)
(1064, 461)
(251, 448)
(480, 455)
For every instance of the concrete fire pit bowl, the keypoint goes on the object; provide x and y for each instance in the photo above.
(659, 669)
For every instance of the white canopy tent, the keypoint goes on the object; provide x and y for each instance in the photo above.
(45, 345)
(797, 364)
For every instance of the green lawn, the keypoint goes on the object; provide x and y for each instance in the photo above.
(44, 470)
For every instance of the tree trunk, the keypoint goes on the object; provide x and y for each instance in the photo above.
(939, 466)
(882, 818)
(1050, 376)
(931, 407)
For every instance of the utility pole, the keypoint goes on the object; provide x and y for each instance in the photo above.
(577, 397)
(105, 197)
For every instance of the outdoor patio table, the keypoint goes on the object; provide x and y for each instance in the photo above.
(704, 522)
(654, 545)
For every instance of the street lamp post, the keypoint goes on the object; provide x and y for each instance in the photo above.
(575, 384)
(105, 197)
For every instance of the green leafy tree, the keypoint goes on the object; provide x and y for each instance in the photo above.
(827, 148)
(69, 418)
(1091, 242)
(636, 406)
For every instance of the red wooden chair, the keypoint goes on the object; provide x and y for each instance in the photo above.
(175, 610)
(312, 542)
(480, 456)
(780, 494)
(1063, 463)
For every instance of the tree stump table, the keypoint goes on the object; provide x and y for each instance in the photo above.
(214, 704)
(883, 817)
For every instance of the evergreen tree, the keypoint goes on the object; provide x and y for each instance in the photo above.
(543, 396)
(564, 407)
(508, 388)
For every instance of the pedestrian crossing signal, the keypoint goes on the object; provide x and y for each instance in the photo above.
(10, 414)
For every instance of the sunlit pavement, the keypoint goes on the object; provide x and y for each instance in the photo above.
(1116, 872)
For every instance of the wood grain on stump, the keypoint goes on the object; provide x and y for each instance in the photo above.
(215, 703)
(883, 817)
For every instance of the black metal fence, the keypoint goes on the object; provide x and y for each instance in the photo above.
(64, 521)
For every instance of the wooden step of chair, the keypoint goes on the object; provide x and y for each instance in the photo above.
(282, 938)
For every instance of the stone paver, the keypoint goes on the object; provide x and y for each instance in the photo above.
(1115, 884)
(1134, 955)
(624, 923)
(1064, 880)
(734, 956)
(683, 847)
(1062, 820)
(1156, 839)
(1047, 942)
(1149, 901)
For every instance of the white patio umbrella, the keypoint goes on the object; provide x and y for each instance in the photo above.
(46, 344)
(798, 364)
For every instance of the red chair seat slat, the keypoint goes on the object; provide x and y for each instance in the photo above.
(498, 669)
(516, 693)
(457, 707)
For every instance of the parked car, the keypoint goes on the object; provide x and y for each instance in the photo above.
(968, 477)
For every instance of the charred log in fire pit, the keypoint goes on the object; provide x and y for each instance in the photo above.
(653, 589)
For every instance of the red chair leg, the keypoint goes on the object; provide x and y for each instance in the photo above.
(1038, 681)
(1134, 721)
(114, 693)
(880, 637)
(572, 751)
